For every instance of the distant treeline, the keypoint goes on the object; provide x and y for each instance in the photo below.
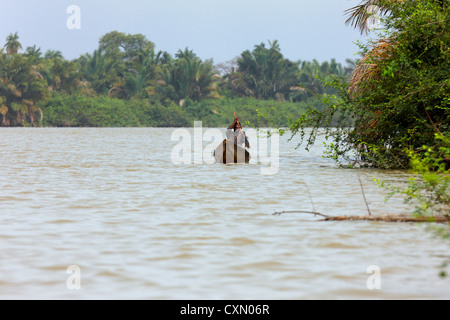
(126, 82)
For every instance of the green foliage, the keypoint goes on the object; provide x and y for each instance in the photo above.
(123, 46)
(61, 75)
(125, 82)
(102, 111)
(428, 188)
(188, 77)
(398, 97)
(256, 112)
(12, 44)
(264, 72)
(100, 70)
(22, 87)
(314, 75)
(84, 111)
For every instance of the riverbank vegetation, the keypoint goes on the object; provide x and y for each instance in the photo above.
(399, 95)
(398, 100)
(127, 82)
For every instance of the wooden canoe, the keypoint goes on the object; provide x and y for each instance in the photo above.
(230, 152)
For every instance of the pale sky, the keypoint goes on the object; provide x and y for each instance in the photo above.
(217, 29)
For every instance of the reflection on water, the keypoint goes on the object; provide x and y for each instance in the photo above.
(111, 202)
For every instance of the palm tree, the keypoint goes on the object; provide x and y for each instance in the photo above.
(264, 72)
(53, 54)
(350, 66)
(144, 68)
(358, 16)
(3, 106)
(185, 72)
(13, 45)
(311, 72)
(34, 54)
(188, 77)
(142, 74)
(64, 75)
(21, 88)
(100, 70)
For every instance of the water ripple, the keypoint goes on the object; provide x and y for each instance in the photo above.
(139, 226)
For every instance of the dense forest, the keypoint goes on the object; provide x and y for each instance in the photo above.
(127, 82)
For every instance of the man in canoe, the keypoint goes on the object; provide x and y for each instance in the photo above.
(236, 134)
(231, 150)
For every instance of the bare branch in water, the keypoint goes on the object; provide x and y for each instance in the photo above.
(385, 218)
(301, 211)
(311, 199)
(364, 194)
(369, 217)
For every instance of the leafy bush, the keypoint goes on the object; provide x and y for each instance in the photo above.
(399, 95)
(101, 111)
(428, 188)
(219, 112)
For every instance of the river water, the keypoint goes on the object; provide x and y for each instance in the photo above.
(107, 214)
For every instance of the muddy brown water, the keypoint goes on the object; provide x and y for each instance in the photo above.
(106, 214)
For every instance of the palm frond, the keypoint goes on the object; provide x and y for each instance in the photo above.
(368, 67)
(358, 16)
